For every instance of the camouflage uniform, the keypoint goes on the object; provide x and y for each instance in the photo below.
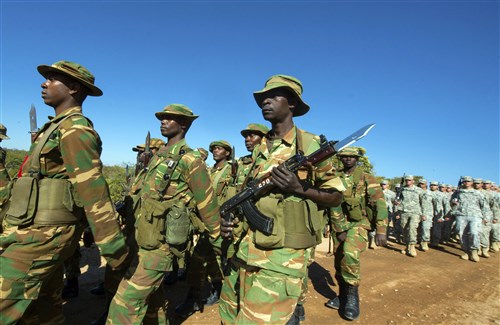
(439, 211)
(411, 209)
(389, 197)
(488, 228)
(32, 263)
(471, 212)
(449, 220)
(267, 274)
(363, 200)
(175, 179)
(427, 211)
(4, 175)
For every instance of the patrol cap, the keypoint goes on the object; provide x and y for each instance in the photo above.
(176, 110)
(478, 180)
(434, 183)
(3, 132)
(221, 143)
(283, 81)
(487, 181)
(408, 177)
(352, 152)
(384, 182)
(466, 179)
(154, 144)
(75, 71)
(422, 181)
(255, 128)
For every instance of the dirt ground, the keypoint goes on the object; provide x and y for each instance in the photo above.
(436, 287)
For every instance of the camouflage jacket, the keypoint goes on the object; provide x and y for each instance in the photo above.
(4, 178)
(244, 166)
(269, 154)
(428, 204)
(471, 203)
(389, 197)
(73, 152)
(366, 191)
(438, 207)
(412, 200)
(221, 178)
(492, 203)
(189, 183)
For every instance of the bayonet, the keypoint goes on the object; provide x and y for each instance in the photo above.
(147, 151)
(33, 124)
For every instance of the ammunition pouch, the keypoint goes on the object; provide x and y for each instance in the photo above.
(44, 202)
(297, 224)
(162, 222)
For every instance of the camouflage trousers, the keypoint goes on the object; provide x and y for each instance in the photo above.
(437, 231)
(348, 254)
(484, 236)
(425, 229)
(409, 226)
(251, 295)
(31, 273)
(140, 295)
(203, 263)
(495, 231)
(469, 228)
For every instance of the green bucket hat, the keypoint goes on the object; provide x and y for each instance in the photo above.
(203, 153)
(352, 151)
(176, 110)
(221, 143)
(255, 128)
(154, 144)
(283, 81)
(3, 132)
(75, 71)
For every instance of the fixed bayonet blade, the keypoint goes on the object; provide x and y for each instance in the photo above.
(33, 124)
(147, 148)
(353, 137)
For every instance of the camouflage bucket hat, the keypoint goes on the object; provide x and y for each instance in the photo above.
(352, 152)
(221, 143)
(176, 110)
(75, 71)
(154, 144)
(466, 179)
(283, 81)
(255, 128)
(203, 153)
(3, 132)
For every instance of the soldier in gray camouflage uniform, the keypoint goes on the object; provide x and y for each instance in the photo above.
(484, 236)
(439, 211)
(410, 211)
(389, 197)
(426, 224)
(472, 212)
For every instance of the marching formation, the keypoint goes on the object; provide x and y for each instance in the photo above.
(242, 232)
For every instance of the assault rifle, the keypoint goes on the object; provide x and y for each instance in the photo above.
(242, 202)
(399, 191)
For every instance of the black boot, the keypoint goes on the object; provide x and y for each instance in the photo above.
(301, 312)
(70, 289)
(351, 308)
(191, 305)
(333, 303)
(101, 320)
(214, 294)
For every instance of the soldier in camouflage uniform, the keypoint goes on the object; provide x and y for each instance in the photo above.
(493, 199)
(471, 212)
(410, 210)
(4, 175)
(363, 209)
(253, 135)
(267, 271)
(439, 212)
(175, 186)
(61, 186)
(204, 263)
(426, 223)
(389, 197)
(484, 235)
(448, 216)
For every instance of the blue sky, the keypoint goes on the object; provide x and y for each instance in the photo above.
(426, 72)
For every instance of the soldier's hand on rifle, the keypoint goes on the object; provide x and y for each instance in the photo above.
(341, 236)
(227, 227)
(286, 180)
(381, 239)
(423, 218)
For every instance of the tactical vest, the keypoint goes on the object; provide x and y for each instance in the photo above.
(157, 221)
(297, 221)
(43, 201)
